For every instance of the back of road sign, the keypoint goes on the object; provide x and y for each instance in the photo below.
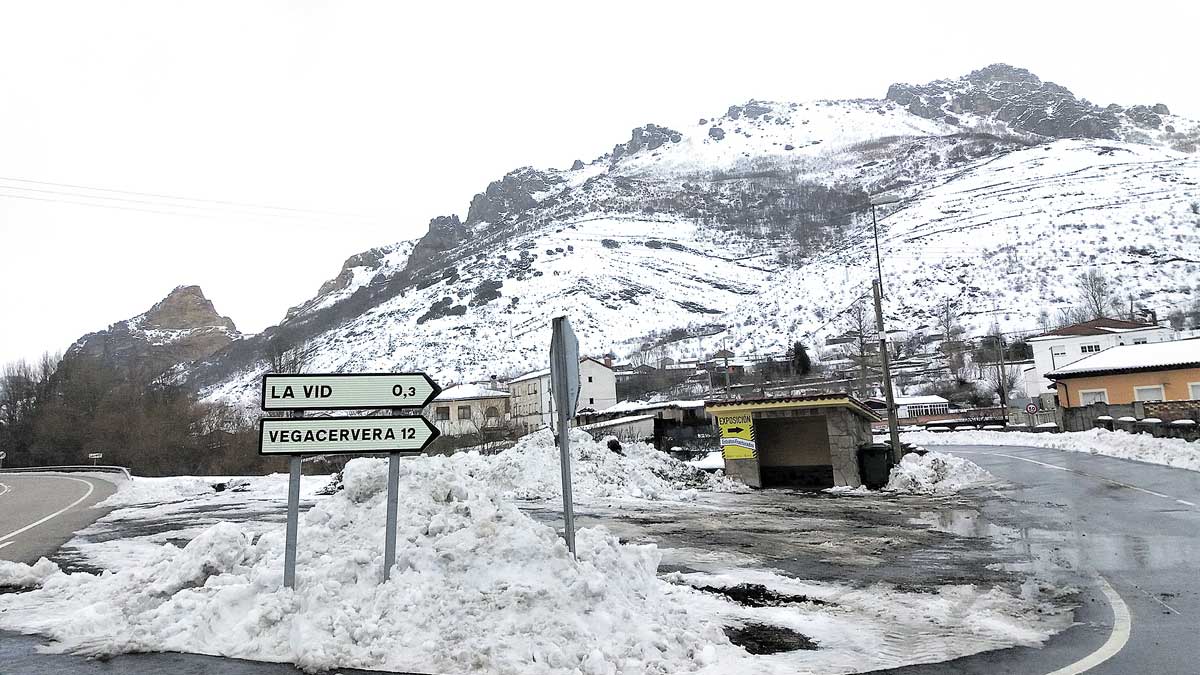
(564, 367)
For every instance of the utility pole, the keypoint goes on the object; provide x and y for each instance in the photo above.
(1001, 378)
(885, 362)
(893, 424)
(726, 353)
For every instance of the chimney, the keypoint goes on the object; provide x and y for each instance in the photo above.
(608, 360)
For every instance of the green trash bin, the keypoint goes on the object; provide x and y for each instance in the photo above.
(874, 464)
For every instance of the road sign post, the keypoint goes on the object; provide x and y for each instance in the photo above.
(2, 456)
(1031, 410)
(296, 435)
(293, 516)
(564, 385)
(95, 456)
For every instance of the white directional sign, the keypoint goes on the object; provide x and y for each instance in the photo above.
(344, 435)
(367, 391)
(96, 455)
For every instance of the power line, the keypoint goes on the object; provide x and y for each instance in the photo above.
(199, 210)
(219, 202)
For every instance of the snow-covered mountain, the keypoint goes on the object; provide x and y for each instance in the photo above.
(750, 229)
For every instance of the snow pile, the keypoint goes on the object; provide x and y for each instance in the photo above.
(141, 490)
(935, 473)
(20, 575)
(1174, 452)
(531, 470)
(478, 586)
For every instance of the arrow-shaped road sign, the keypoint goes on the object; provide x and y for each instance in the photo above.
(344, 435)
(349, 391)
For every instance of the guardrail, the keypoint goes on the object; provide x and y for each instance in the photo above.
(73, 468)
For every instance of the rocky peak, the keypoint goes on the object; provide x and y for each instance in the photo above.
(445, 232)
(649, 137)
(181, 328)
(511, 195)
(184, 308)
(1010, 95)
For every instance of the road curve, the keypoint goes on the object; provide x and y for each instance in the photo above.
(1130, 527)
(41, 512)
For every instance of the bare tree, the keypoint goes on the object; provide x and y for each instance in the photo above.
(285, 354)
(858, 324)
(1097, 295)
(947, 320)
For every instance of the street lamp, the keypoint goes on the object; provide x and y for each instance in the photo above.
(884, 357)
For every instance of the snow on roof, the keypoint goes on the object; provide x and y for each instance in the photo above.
(634, 406)
(532, 375)
(462, 392)
(617, 422)
(919, 400)
(1176, 354)
(1101, 326)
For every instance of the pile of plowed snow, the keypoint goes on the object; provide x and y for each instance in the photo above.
(1174, 452)
(935, 473)
(478, 586)
(531, 470)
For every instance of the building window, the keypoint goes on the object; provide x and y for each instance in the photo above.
(589, 378)
(1139, 341)
(1194, 391)
(1058, 351)
(442, 413)
(1090, 396)
(464, 412)
(1089, 349)
(591, 400)
(1148, 393)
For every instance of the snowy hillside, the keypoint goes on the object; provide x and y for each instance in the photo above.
(750, 228)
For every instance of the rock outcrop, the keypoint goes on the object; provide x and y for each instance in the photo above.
(181, 328)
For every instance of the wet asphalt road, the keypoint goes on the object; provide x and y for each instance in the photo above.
(1085, 514)
(40, 512)
(1136, 525)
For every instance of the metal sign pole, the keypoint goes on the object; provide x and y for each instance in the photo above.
(393, 498)
(293, 517)
(389, 537)
(564, 381)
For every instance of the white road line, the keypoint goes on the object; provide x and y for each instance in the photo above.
(1076, 471)
(4, 488)
(5, 544)
(57, 513)
(1121, 629)
(1155, 598)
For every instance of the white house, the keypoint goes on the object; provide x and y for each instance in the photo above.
(531, 403)
(1063, 346)
(469, 409)
(911, 406)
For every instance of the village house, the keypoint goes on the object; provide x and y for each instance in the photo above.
(1153, 371)
(533, 407)
(1064, 346)
(466, 409)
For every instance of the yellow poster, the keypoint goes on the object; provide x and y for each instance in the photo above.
(737, 436)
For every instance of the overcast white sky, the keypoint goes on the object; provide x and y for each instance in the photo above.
(392, 113)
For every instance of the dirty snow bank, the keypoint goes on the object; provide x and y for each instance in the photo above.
(1173, 452)
(935, 473)
(530, 470)
(871, 628)
(478, 586)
